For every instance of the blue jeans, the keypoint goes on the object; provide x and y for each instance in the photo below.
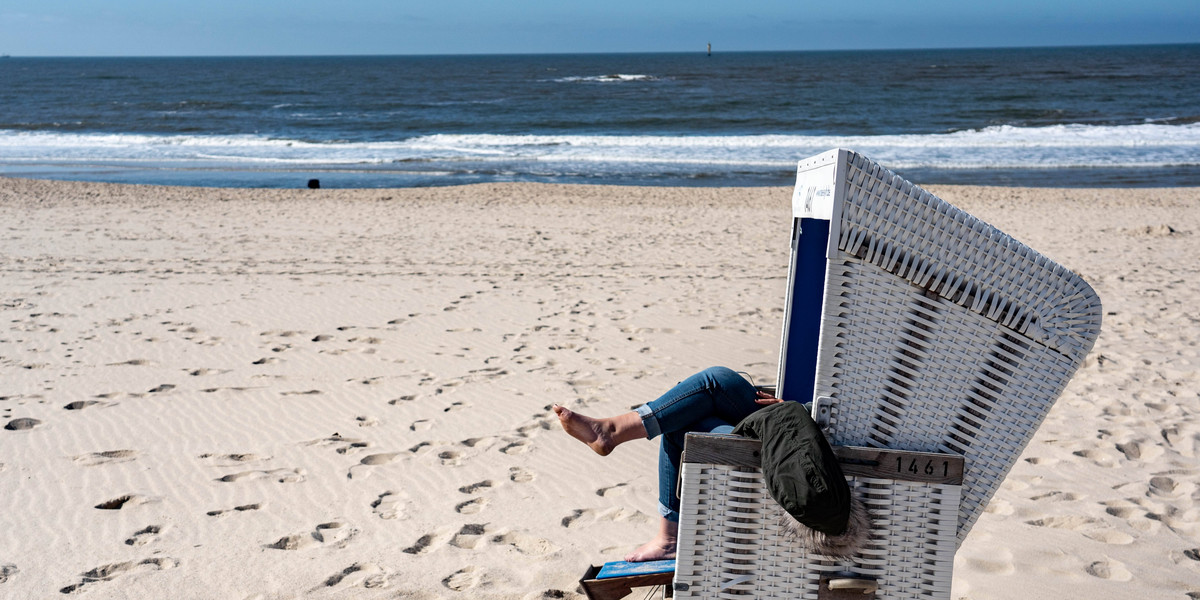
(713, 400)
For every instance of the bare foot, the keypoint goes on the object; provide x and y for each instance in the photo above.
(596, 433)
(662, 547)
(652, 550)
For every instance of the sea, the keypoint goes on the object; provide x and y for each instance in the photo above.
(1081, 116)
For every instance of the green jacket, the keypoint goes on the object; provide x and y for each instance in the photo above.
(801, 472)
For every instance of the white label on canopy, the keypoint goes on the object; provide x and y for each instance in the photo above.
(813, 196)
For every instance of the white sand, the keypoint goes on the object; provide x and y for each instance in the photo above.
(286, 394)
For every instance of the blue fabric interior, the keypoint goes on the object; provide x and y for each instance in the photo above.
(799, 366)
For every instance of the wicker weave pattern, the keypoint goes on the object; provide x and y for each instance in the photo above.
(923, 239)
(942, 334)
(731, 544)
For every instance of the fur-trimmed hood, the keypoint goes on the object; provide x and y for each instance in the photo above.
(845, 545)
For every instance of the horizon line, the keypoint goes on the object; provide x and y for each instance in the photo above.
(606, 53)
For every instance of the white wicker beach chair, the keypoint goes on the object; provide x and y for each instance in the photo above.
(932, 346)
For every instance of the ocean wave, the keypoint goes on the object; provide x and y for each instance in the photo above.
(610, 78)
(1000, 147)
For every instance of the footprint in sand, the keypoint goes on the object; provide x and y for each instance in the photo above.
(1056, 496)
(227, 389)
(539, 422)
(127, 501)
(421, 425)
(1163, 487)
(519, 475)
(612, 491)
(82, 404)
(463, 579)
(334, 534)
(389, 505)
(1191, 555)
(137, 362)
(1110, 536)
(340, 443)
(1100, 458)
(144, 536)
(517, 447)
(277, 475)
(362, 469)
(203, 372)
(550, 594)
(1042, 462)
(402, 399)
(382, 458)
(228, 511)
(7, 571)
(368, 575)
(475, 487)
(471, 507)
(1073, 522)
(428, 542)
(112, 571)
(1139, 517)
(92, 459)
(22, 424)
(585, 516)
(1140, 450)
(232, 460)
(526, 544)
(450, 458)
(478, 441)
(1183, 441)
(1124, 509)
(469, 536)
(302, 393)
(366, 421)
(1109, 569)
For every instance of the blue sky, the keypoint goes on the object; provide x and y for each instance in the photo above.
(273, 27)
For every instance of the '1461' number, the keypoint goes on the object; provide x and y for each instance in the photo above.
(929, 469)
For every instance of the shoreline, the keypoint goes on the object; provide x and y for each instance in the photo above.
(301, 179)
(283, 393)
(341, 177)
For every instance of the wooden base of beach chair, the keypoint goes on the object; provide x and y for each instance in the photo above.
(615, 588)
(731, 542)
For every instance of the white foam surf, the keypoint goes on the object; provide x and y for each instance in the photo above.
(610, 78)
(1060, 146)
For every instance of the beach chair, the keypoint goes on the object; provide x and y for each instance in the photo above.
(931, 345)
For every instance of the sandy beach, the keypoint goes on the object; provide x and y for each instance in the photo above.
(276, 394)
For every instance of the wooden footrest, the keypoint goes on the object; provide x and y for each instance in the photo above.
(615, 580)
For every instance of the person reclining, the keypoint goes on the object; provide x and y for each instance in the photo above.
(799, 468)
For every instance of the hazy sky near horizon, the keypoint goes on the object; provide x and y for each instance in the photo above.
(308, 27)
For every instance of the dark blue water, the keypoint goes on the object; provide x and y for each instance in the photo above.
(1064, 116)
